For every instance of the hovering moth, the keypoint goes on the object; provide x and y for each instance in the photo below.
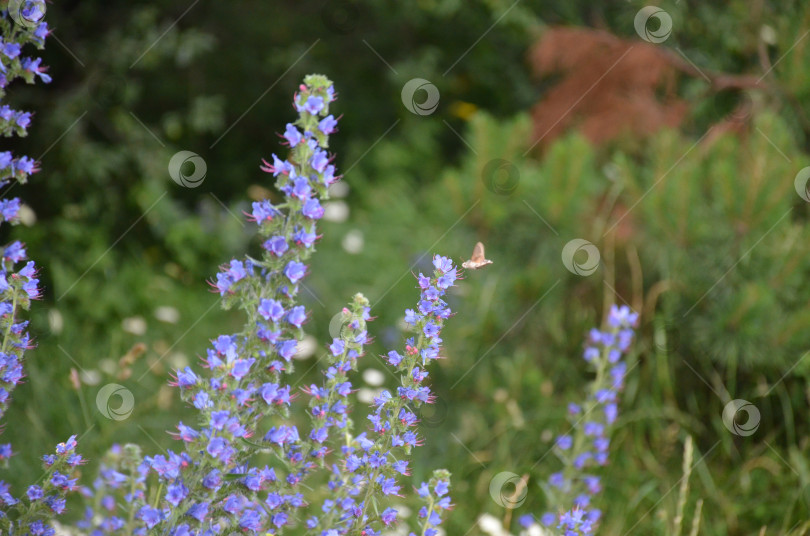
(477, 260)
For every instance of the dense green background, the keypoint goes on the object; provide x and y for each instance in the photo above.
(716, 247)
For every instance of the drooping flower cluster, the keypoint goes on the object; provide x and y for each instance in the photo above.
(586, 445)
(324, 479)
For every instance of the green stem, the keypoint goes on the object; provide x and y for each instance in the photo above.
(11, 321)
(131, 517)
(579, 436)
(427, 517)
(407, 378)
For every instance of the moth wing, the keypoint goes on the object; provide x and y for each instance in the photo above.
(478, 253)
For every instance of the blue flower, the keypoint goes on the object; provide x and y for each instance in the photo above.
(304, 238)
(337, 347)
(14, 252)
(263, 211)
(327, 124)
(241, 367)
(389, 515)
(292, 135)
(270, 309)
(313, 105)
(11, 50)
(277, 167)
(251, 520)
(430, 329)
(319, 161)
(280, 519)
(301, 189)
(23, 119)
(442, 264)
(185, 378)
(150, 516)
(622, 317)
(34, 493)
(297, 316)
(5, 159)
(565, 442)
(176, 492)
(287, 349)
(295, 271)
(312, 209)
(213, 480)
(225, 280)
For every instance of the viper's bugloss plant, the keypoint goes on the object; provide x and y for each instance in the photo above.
(18, 286)
(215, 484)
(263, 457)
(25, 512)
(585, 447)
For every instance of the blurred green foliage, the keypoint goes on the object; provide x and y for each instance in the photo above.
(705, 235)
